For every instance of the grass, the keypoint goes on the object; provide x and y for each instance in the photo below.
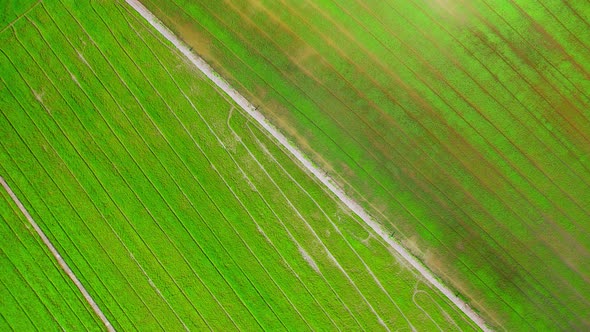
(36, 293)
(463, 126)
(172, 208)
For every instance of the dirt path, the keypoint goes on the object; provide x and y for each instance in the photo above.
(57, 256)
(319, 174)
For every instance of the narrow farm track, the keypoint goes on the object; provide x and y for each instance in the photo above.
(326, 180)
(57, 256)
(209, 127)
(9, 25)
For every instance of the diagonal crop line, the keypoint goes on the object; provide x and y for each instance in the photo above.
(20, 16)
(319, 174)
(58, 257)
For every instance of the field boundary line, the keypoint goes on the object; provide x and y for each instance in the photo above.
(319, 174)
(58, 257)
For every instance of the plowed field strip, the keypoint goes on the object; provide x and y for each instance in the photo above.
(95, 234)
(147, 209)
(50, 80)
(193, 270)
(76, 249)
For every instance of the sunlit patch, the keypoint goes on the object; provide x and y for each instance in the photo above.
(452, 10)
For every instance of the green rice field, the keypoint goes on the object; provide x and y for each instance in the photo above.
(463, 126)
(34, 287)
(172, 207)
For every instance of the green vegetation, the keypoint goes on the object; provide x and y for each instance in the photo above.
(11, 11)
(463, 126)
(170, 206)
(36, 293)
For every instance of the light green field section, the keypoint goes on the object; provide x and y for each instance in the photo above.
(463, 126)
(35, 293)
(173, 209)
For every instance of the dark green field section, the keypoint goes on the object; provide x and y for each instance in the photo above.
(464, 126)
(35, 293)
(173, 209)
